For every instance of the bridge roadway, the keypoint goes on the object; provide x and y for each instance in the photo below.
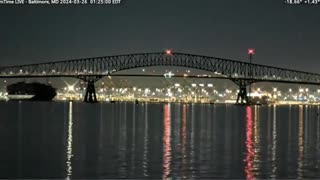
(91, 70)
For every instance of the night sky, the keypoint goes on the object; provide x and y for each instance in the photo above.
(283, 35)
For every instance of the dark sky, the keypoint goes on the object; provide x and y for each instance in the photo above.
(283, 35)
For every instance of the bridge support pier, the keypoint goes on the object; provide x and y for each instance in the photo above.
(90, 95)
(242, 97)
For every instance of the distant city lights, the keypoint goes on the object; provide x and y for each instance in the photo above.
(183, 91)
(168, 75)
(70, 88)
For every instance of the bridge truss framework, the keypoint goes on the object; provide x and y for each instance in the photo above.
(91, 70)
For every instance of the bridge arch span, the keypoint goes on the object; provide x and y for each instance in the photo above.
(91, 69)
(107, 65)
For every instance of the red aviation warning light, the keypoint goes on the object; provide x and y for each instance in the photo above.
(168, 52)
(251, 51)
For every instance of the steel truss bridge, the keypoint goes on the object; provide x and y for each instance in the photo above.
(93, 69)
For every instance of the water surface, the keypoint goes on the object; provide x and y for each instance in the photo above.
(124, 140)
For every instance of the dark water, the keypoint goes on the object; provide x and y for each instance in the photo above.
(77, 140)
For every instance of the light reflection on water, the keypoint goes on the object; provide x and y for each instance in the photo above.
(145, 145)
(125, 140)
(300, 143)
(69, 145)
(274, 142)
(184, 141)
(256, 135)
(249, 144)
(166, 141)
